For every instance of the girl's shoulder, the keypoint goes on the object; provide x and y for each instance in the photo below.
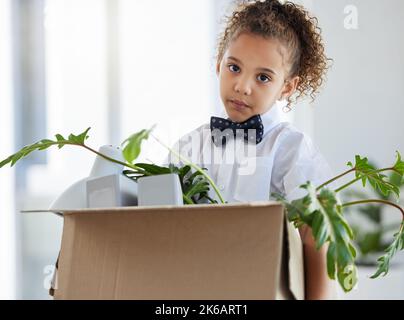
(292, 140)
(287, 130)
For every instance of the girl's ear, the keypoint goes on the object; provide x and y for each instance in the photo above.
(217, 68)
(289, 87)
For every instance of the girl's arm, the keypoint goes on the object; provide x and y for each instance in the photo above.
(318, 286)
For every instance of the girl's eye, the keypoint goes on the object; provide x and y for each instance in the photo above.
(233, 65)
(263, 77)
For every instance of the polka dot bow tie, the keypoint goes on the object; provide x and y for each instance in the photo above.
(223, 129)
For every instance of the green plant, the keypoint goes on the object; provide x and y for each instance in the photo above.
(372, 235)
(322, 211)
(320, 208)
(195, 186)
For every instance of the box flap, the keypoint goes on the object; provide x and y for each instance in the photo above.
(57, 212)
(291, 284)
(295, 261)
(192, 252)
(63, 211)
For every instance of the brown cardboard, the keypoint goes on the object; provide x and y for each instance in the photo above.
(231, 251)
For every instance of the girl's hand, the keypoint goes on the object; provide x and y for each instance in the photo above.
(317, 284)
(307, 236)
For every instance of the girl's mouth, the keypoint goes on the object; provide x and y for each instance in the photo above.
(239, 106)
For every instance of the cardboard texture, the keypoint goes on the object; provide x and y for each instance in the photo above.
(231, 251)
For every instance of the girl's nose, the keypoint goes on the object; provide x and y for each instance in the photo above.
(242, 87)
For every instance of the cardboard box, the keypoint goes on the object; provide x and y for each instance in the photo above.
(219, 252)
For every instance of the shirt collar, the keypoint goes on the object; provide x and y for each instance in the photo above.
(271, 118)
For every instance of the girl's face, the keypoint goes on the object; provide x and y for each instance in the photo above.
(253, 72)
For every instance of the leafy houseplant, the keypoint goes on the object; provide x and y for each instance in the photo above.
(320, 209)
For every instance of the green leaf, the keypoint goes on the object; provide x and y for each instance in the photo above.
(297, 209)
(348, 277)
(384, 261)
(396, 179)
(197, 168)
(153, 169)
(331, 253)
(195, 186)
(353, 250)
(399, 165)
(322, 212)
(368, 173)
(182, 172)
(319, 229)
(79, 139)
(45, 144)
(83, 136)
(132, 145)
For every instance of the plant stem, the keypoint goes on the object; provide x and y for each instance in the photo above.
(187, 199)
(374, 200)
(352, 181)
(335, 178)
(356, 179)
(347, 184)
(193, 166)
(113, 160)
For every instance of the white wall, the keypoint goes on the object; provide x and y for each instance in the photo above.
(361, 107)
(76, 88)
(167, 74)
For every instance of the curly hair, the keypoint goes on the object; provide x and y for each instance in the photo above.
(290, 24)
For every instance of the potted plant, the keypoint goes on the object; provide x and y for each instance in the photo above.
(320, 209)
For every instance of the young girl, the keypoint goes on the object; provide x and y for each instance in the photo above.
(268, 53)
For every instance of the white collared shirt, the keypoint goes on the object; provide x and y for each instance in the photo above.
(285, 159)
